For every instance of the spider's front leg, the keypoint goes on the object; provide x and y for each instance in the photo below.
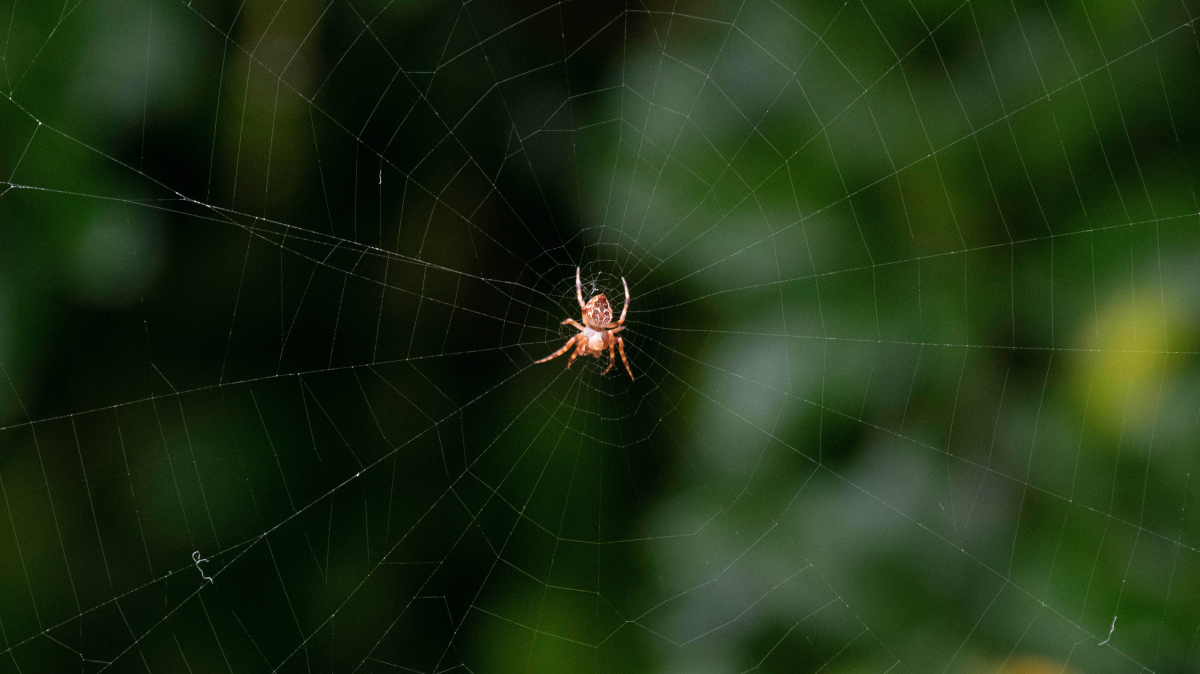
(573, 323)
(579, 290)
(626, 308)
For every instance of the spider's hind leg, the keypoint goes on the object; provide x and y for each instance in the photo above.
(621, 345)
(580, 340)
(570, 342)
(612, 356)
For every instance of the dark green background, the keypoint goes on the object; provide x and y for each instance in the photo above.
(914, 324)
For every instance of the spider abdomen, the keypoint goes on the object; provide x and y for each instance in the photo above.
(597, 314)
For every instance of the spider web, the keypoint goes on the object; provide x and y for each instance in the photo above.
(913, 325)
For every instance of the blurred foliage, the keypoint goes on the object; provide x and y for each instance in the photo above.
(914, 321)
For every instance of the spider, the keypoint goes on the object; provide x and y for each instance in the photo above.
(598, 332)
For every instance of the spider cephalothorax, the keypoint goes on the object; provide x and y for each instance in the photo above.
(598, 333)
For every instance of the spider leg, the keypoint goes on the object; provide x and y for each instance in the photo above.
(579, 290)
(582, 341)
(621, 344)
(626, 309)
(573, 323)
(612, 357)
(617, 329)
(570, 342)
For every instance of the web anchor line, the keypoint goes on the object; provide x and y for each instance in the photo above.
(197, 559)
(1111, 629)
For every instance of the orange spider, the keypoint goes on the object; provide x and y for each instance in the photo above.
(598, 331)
